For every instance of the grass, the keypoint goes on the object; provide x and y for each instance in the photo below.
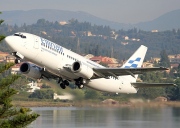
(22, 100)
(90, 103)
(41, 104)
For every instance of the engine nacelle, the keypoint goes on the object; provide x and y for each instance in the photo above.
(81, 70)
(30, 70)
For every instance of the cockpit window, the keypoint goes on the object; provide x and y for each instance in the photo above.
(16, 34)
(20, 35)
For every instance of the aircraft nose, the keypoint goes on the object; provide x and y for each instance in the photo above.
(8, 40)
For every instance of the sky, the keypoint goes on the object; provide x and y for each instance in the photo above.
(122, 11)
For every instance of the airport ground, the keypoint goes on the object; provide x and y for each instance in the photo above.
(94, 104)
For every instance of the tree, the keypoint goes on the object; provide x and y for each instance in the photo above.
(173, 93)
(164, 59)
(11, 117)
(151, 93)
(1, 36)
(92, 94)
(42, 94)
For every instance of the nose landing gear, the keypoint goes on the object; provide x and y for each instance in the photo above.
(18, 57)
(17, 61)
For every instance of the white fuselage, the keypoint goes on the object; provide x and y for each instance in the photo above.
(54, 58)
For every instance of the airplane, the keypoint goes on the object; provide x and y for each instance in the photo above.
(45, 59)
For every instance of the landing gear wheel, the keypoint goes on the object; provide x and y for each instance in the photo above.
(17, 61)
(62, 85)
(80, 86)
(66, 82)
(80, 82)
(77, 83)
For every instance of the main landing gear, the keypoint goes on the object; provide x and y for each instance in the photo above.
(80, 82)
(63, 83)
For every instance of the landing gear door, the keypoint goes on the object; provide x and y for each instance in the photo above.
(36, 42)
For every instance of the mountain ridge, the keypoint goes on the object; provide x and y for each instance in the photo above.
(167, 21)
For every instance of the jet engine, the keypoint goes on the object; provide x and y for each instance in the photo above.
(81, 70)
(30, 70)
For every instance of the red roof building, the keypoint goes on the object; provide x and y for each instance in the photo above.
(102, 59)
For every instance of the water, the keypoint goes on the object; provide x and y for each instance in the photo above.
(72, 117)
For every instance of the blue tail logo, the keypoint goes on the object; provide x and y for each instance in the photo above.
(133, 63)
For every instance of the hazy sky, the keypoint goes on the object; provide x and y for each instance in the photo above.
(123, 11)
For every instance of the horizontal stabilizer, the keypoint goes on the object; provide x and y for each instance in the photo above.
(144, 85)
(125, 71)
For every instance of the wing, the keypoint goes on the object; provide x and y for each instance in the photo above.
(49, 75)
(145, 85)
(104, 72)
(46, 74)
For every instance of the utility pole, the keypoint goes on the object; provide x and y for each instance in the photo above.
(112, 52)
(78, 46)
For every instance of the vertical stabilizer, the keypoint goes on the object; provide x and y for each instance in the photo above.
(136, 60)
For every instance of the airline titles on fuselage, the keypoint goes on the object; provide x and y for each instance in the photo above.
(50, 45)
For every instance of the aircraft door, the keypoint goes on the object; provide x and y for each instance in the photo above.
(61, 59)
(121, 84)
(36, 42)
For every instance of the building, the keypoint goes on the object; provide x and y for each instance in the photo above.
(157, 60)
(103, 59)
(174, 65)
(10, 58)
(97, 59)
(6, 57)
(63, 23)
(15, 69)
(114, 65)
(88, 56)
(63, 97)
(174, 58)
(154, 30)
(33, 86)
(114, 35)
(4, 54)
(126, 38)
(134, 39)
(43, 32)
(89, 33)
(147, 64)
(124, 43)
(161, 99)
(111, 62)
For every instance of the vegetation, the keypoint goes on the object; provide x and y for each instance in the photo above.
(93, 38)
(92, 94)
(173, 93)
(164, 59)
(11, 117)
(42, 94)
(99, 40)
